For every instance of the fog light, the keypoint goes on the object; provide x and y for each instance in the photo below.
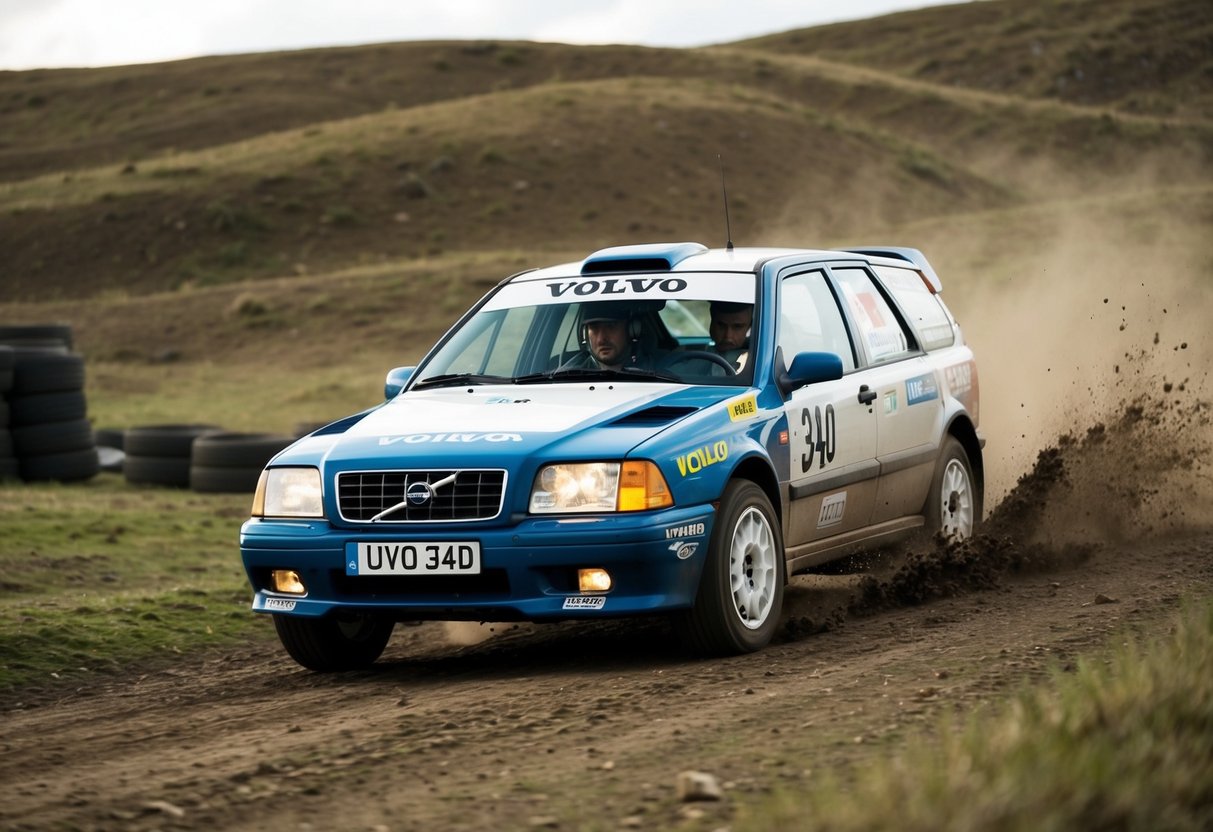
(593, 580)
(288, 581)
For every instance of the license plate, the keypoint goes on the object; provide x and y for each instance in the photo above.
(439, 557)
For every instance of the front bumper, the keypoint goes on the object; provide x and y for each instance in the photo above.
(528, 570)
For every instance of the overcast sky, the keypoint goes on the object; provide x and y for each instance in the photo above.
(58, 33)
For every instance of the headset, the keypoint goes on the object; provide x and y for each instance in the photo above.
(614, 311)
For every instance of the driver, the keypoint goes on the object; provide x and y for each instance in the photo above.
(730, 331)
(610, 338)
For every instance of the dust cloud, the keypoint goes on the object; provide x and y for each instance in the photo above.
(1076, 310)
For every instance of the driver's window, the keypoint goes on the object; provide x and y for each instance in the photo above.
(810, 321)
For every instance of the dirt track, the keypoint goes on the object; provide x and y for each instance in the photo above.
(588, 726)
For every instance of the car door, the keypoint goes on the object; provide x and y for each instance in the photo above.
(908, 404)
(832, 431)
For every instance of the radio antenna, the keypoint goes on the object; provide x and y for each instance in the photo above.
(728, 230)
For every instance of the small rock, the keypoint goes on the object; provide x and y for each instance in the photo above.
(543, 822)
(164, 807)
(1104, 599)
(698, 785)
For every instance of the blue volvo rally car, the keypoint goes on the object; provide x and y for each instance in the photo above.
(655, 429)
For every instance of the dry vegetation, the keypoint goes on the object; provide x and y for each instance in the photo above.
(252, 240)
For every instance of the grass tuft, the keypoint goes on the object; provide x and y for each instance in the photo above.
(1124, 742)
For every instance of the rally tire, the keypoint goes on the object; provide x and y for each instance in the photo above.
(237, 450)
(62, 467)
(40, 371)
(9, 468)
(740, 597)
(7, 360)
(64, 406)
(157, 470)
(6, 443)
(210, 480)
(954, 505)
(335, 642)
(5, 414)
(110, 438)
(165, 440)
(55, 336)
(53, 438)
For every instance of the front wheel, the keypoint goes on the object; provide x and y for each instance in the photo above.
(342, 641)
(741, 590)
(954, 505)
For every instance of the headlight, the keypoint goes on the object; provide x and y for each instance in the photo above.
(634, 485)
(288, 492)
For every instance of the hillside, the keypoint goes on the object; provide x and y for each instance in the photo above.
(143, 179)
(1144, 56)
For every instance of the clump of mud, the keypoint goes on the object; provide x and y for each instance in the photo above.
(1144, 473)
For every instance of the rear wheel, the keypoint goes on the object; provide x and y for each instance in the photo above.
(954, 506)
(342, 641)
(741, 590)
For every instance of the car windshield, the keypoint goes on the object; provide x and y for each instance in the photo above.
(690, 329)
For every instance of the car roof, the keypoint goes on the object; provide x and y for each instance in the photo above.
(694, 257)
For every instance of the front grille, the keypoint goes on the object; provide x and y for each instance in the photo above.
(473, 495)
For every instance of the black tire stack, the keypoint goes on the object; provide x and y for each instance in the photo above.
(48, 424)
(232, 462)
(8, 461)
(161, 454)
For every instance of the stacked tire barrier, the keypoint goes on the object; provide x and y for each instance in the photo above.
(232, 462)
(161, 454)
(46, 412)
(8, 462)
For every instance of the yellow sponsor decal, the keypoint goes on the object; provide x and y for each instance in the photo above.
(700, 458)
(745, 408)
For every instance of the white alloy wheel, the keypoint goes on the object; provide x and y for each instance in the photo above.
(956, 502)
(753, 571)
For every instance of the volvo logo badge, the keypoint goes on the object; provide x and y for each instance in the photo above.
(419, 493)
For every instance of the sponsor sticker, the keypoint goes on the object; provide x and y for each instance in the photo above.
(833, 508)
(684, 548)
(922, 388)
(585, 602)
(279, 604)
(618, 286)
(424, 438)
(689, 530)
(890, 402)
(700, 458)
(743, 408)
(959, 378)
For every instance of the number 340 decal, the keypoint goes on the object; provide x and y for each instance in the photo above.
(819, 436)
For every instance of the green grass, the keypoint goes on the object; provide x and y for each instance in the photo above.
(1123, 742)
(104, 573)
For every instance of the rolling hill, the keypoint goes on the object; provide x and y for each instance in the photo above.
(140, 179)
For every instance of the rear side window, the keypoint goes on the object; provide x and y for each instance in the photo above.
(927, 315)
(880, 330)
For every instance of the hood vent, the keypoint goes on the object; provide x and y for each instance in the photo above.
(654, 416)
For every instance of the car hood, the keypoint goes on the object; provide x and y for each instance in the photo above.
(487, 425)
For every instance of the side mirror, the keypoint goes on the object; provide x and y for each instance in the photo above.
(395, 381)
(810, 368)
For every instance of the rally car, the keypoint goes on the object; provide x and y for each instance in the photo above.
(658, 428)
